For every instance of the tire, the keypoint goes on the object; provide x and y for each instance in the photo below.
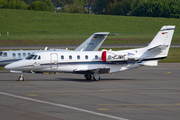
(96, 79)
(88, 76)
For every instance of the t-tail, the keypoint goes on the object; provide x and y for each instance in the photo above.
(158, 49)
(159, 46)
(94, 42)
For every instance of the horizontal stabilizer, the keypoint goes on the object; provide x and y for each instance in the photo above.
(149, 63)
(159, 47)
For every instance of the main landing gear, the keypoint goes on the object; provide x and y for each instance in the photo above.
(95, 76)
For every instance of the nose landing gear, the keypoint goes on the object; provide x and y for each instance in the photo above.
(21, 78)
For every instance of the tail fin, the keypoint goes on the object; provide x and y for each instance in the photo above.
(94, 42)
(162, 41)
(159, 46)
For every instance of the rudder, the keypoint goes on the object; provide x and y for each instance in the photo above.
(162, 40)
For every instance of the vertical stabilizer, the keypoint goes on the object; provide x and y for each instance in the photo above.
(160, 45)
(163, 37)
(94, 42)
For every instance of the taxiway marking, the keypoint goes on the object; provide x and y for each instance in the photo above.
(104, 90)
(32, 95)
(139, 104)
(113, 94)
(65, 106)
(149, 109)
(102, 109)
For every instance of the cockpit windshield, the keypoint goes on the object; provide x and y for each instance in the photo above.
(34, 58)
(30, 57)
(1, 54)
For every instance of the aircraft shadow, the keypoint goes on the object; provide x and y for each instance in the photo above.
(84, 80)
(72, 79)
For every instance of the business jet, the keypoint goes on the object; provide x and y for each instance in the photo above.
(93, 43)
(93, 63)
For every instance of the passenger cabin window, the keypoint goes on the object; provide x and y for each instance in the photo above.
(86, 57)
(5, 54)
(78, 57)
(24, 54)
(30, 57)
(70, 57)
(14, 55)
(62, 57)
(96, 57)
(1, 54)
(19, 55)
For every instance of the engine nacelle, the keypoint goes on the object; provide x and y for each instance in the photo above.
(116, 57)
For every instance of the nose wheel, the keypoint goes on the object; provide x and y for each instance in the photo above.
(21, 78)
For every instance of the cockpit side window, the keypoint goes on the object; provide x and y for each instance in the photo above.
(1, 54)
(30, 57)
(39, 57)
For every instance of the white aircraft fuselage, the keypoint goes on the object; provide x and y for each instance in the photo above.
(7, 57)
(70, 62)
(93, 63)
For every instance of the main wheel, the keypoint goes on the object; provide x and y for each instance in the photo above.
(97, 79)
(88, 76)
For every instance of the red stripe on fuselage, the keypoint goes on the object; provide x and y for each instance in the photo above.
(104, 56)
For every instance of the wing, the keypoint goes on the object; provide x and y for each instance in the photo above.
(91, 71)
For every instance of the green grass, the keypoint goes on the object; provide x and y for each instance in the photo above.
(173, 56)
(48, 28)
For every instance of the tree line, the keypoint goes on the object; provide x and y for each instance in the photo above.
(158, 8)
(44, 5)
(150, 8)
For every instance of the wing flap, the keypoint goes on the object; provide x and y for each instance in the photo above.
(91, 71)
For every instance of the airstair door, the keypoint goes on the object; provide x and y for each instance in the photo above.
(54, 61)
